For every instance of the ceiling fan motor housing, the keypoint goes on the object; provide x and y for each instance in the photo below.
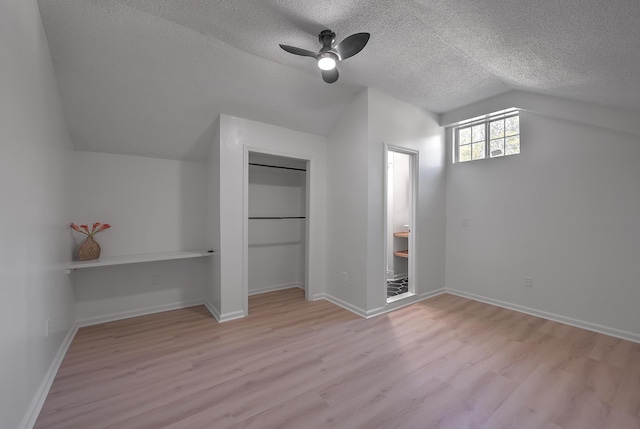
(327, 38)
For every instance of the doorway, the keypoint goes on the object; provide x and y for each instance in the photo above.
(400, 233)
(277, 201)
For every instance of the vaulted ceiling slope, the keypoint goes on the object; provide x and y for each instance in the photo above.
(149, 77)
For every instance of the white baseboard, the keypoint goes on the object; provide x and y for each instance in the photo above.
(404, 302)
(225, 317)
(275, 288)
(35, 407)
(380, 310)
(340, 303)
(214, 311)
(432, 293)
(375, 312)
(138, 312)
(618, 333)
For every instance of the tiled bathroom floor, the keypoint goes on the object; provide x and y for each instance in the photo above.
(397, 287)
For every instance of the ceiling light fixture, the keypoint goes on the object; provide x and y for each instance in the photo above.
(327, 61)
(331, 54)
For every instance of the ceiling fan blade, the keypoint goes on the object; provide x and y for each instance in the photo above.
(352, 45)
(330, 76)
(298, 51)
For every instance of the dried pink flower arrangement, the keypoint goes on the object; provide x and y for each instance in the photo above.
(96, 228)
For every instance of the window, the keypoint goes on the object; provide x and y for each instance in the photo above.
(488, 138)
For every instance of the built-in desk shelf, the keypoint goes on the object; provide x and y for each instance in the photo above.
(404, 234)
(109, 261)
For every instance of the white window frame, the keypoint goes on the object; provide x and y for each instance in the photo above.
(485, 120)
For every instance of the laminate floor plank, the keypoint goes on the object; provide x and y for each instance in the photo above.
(444, 363)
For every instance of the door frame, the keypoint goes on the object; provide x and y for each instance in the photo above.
(413, 228)
(309, 286)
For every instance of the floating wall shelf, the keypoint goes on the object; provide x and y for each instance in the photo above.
(109, 261)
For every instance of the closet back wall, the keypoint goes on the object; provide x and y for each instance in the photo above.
(153, 205)
(276, 246)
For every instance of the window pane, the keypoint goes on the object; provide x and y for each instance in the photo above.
(497, 148)
(465, 135)
(497, 129)
(494, 137)
(478, 150)
(513, 145)
(512, 126)
(478, 133)
(464, 153)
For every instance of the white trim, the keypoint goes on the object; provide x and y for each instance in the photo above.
(414, 180)
(392, 306)
(220, 318)
(340, 303)
(135, 313)
(431, 293)
(385, 221)
(380, 310)
(392, 299)
(618, 333)
(310, 203)
(500, 114)
(375, 312)
(35, 407)
(310, 264)
(274, 288)
(225, 317)
(214, 311)
(244, 232)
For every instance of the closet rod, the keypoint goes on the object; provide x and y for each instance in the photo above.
(277, 166)
(277, 217)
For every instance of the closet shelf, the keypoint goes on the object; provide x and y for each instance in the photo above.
(108, 261)
(403, 234)
(277, 166)
(277, 217)
(402, 253)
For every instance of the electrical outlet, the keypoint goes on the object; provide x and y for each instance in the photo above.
(155, 280)
(465, 221)
(528, 281)
(345, 278)
(47, 327)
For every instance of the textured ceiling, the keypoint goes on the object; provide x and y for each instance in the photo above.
(149, 77)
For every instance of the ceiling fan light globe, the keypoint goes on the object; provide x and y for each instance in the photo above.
(327, 63)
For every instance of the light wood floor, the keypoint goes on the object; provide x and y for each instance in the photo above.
(447, 362)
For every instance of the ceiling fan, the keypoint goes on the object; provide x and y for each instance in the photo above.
(329, 54)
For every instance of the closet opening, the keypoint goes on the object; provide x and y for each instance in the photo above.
(400, 234)
(277, 225)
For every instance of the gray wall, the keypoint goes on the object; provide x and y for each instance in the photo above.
(564, 212)
(153, 205)
(355, 229)
(35, 242)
